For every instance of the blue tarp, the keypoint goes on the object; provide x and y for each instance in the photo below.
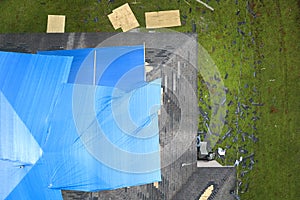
(115, 155)
(120, 67)
(76, 136)
(29, 87)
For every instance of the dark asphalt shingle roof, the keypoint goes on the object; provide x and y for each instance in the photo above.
(197, 182)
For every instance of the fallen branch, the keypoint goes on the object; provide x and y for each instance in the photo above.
(207, 6)
(187, 2)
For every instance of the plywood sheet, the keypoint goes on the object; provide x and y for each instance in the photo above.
(56, 24)
(114, 20)
(162, 19)
(123, 17)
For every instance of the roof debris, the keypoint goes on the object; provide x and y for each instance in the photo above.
(56, 24)
(207, 6)
(162, 19)
(123, 17)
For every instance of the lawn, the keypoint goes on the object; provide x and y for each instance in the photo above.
(254, 44)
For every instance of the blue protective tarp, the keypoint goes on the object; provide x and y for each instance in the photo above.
(31, 84)
(93, 138)
(56, 135)
(29, 87)
(120, 67)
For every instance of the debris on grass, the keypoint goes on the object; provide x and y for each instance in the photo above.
(240, 32)
(241, 23)
(56, 24)
(250, 10)
(194, 29)
(257, 104)
(253, 138)
(123, 17)
(226, 76)
(187, 2)
(207, 6)
(228, 134)
(163, 19)
(245, 107)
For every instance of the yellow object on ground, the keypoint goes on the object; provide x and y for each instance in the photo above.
(162, 19)
(123, 17)
(56, 24)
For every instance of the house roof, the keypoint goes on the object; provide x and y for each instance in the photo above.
(222, 178)
(174, 176)
(84, 137)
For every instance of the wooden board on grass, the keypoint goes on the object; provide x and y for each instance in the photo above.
(123, 17)
(56, 24)
(162, 19)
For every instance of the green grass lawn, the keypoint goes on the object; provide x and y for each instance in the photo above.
(240, 45)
